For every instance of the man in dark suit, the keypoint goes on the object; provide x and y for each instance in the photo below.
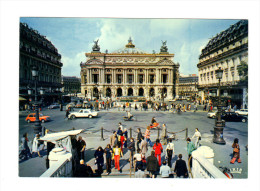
(81, 145)
(138, 138)
(152, 164)
(181, 168)
(81, 170)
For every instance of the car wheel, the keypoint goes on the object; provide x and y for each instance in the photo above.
(243, 120)
(42, 120)
(73, 117)
(90, 116)
(28, 120)
(213, 117)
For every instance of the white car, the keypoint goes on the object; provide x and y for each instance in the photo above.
(54, 105)
(212, 114)
(83, 113)
(242, 112)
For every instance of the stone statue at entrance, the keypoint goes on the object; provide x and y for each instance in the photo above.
(96, 47)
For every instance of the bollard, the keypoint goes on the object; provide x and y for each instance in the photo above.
(130, 163)
(186, 133)
(102, 136)
(130, 132)
(158, 133)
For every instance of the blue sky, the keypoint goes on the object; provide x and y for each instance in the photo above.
(74, 36)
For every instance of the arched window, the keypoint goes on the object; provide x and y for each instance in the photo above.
(141, 92)
(130, 92)
(151, 92)
(108, 92)
(119, 92)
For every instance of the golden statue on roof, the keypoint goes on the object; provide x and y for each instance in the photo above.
(130, 44)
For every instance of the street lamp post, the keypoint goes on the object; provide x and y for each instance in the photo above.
(37, 127)
(219, 124)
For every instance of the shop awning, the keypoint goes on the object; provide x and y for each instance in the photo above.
(60, 135)
(21, 98)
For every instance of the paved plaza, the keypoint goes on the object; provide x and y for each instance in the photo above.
(109, 121)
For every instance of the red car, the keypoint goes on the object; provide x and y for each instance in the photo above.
(32, 118)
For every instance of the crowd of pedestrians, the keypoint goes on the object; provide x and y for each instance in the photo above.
(115, 150)
(139, 160)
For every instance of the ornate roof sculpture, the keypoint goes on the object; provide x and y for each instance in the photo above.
(96, 47)
(235, 31)
(130, 49)
(164, 48)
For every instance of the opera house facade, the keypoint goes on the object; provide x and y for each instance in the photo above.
(129, 72)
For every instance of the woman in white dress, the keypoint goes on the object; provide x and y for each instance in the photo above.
(36, 145)
(197, 135)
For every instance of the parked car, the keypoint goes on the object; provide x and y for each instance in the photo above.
(229, 110)
(233, 117)
(212, 114)
(83, 113)
(54, 105)
(242, 112)
(78, 105)
(32, 118)
(71, 104)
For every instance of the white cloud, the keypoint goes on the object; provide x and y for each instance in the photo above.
(188, 56)
(71, 65)
(171, 27)
(116, 32)
(113, 35)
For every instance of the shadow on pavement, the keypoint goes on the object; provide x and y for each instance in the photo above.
(89, 154)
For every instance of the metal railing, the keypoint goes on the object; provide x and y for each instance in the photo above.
(131, 131)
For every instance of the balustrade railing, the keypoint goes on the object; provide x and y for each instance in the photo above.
(202, 164)
(61, 168)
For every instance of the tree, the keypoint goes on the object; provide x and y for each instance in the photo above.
(243, 72)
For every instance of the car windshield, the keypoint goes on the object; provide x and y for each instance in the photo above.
(40, 115)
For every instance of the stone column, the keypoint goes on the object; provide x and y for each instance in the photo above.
(157, 76)
(124, 76)
(99, 76)
(113, 76)
(160, 76)
(89, 76)
(171, 80)
(102, 76)
(146, 76)
(136, 76)
(135, 89)
(177, 90)
(156, 92)
(170, 93)
(82, 79)
(124, 91)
